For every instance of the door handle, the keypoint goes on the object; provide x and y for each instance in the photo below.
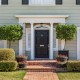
(41, 45)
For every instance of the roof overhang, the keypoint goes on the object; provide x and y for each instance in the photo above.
(42, 18)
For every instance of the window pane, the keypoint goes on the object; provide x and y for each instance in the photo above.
(58, 1)
(78, 2)
(25, 1)
(54, 38)
(29, 40)
(4, 2)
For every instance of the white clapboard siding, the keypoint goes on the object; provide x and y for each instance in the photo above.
(41, 2)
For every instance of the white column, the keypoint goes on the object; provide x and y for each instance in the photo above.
(78, 43)
(32, 41)
(51, 42)
(5, 43)
(21, 43)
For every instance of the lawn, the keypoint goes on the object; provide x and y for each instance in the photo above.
(16, 75)
(69, 76)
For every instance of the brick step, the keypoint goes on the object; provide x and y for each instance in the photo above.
(40, 68)
(41, 62)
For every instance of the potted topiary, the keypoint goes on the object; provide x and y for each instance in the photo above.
(21, 59)
(65, 32)
(22, 64)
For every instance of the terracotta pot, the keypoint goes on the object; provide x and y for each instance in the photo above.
(21, 59)
(22, 65)
(64, 53)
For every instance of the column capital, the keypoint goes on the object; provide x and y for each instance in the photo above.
(32, 23)
(51, 22)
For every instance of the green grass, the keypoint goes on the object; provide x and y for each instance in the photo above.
(16, 75)
(69, 76)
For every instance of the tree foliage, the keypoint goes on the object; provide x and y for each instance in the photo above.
(11, 33)
(66, 31)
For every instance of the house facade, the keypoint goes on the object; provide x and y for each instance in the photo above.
(39, 19)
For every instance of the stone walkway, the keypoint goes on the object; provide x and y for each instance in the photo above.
(42, 73)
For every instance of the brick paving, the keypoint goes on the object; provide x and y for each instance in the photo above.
(41, 70)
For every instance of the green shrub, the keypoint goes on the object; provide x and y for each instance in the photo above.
(8, 65)
(73, 65)
(7, 54)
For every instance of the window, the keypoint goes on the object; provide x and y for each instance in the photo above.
(78, 2)
(24, 2)
(58, 2)
(55, 41)
(4, 2)
(28, 39)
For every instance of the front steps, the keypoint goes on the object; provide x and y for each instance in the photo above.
(41, 66)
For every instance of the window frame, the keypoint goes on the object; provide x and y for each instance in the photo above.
(1, 2)
(58, 3)
(77, 2)
(28, 32)
(25, 3)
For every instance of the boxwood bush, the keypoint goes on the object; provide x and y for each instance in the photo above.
(7, 54)
(8, 65)
(73, 65)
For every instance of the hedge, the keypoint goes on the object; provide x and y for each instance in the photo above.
(8, 65)
(7, 54)
(73, 65)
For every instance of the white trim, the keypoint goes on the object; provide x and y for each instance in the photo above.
(0, 2)
(43, 16)
(43, 28)
(21, 42)
(32, 42)
(78, 43)
(51, 42)
(42, 19)
(41, 2)
(28, 31)
(20, 47)
(5, 43)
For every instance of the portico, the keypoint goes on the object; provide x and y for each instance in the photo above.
(41, 21)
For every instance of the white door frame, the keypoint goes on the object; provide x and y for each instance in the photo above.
(42, 27)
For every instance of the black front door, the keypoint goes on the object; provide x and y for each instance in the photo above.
(41, 43)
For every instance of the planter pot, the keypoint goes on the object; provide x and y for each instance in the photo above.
(20, 59)
(64, 53)
(22, 65)
(61, 58)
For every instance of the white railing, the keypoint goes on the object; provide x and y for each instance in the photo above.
(41, 2)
